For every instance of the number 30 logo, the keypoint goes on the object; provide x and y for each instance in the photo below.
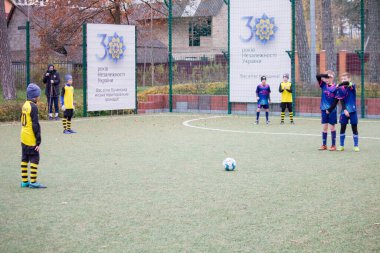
(114, 48)
(263, 29)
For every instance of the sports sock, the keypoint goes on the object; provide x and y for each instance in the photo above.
(356, 140)
(68, 124)
(291, 116)
(333, 138)
(267, 115)
(282, 116)
(257, 116)
(33, 172)
(64, 122)
(24, 172)
(324, 138)
(342, 138)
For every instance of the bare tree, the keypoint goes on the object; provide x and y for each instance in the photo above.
(328, 42)
(302, 44)
(372, 36)
(6, 77)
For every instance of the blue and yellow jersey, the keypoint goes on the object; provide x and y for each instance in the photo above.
(286, 92)
(263, 92)
(67, 96)
(328, 95)
(30, 127)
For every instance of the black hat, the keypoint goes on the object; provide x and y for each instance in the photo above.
(263, 78)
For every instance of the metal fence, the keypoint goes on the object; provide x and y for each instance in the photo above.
(184, 65)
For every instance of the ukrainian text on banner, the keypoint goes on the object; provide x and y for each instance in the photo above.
(111, 67)
(260, 35)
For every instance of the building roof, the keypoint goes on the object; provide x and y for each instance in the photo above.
(181, 9)
(148, 49)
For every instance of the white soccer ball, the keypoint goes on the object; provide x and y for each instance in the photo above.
(229, 164)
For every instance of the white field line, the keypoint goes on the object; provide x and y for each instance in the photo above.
(113, 117)
(188, 124)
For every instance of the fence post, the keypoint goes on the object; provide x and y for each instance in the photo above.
(27, 53)
(136, 102)
(228, 56)
(293, 55)
(322, 61)
(84, 68)
(169, 5)
(362, 57)
(342, 61)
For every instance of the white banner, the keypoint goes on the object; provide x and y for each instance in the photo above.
(111, 67)
(260, 35)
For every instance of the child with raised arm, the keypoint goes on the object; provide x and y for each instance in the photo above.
(346, 94)
(328, 120)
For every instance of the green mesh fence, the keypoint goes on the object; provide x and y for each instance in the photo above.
(341, 35)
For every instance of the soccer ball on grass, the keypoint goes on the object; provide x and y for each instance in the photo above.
(229, 164)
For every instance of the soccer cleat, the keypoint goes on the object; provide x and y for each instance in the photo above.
(37, 186)
(50, 118)
(356, 149)
(323, 147)
(57, 118)
(282, 122)
(268, 122)
(292, 122)
(72, 131)
(66, 132)
(256, 122)
(332, 148)
(24, 184)
(340, 148)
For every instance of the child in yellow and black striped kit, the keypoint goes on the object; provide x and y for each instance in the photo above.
(30, 138)
(67, 102)
(286, 98)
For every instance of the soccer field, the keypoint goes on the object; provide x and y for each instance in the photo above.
(155, 183)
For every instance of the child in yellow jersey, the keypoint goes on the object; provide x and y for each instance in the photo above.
(67, 102)
(30, 138)
(286, 98)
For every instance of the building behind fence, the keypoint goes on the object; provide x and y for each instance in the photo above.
(200, 63)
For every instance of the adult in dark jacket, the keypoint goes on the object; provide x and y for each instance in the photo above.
(52, 80)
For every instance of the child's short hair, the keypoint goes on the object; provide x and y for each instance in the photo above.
(330, 72)
(346, 74)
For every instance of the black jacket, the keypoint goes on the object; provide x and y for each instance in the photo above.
(52, 89)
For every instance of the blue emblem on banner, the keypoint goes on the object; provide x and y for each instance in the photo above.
(116, 47)
(264, 29)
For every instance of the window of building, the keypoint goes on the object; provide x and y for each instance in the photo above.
(197, 28)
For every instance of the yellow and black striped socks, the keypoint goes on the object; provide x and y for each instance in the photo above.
(282, 117)
(64, 122)
(69, 125)
(24, 172)
(33, 172)
(291, 116)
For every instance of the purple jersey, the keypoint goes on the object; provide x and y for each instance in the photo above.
(348, 94)
(328, 95)
(263, 94)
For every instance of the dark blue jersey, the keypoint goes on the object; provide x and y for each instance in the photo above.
(263, 92)
(348, 95)
(328, 95)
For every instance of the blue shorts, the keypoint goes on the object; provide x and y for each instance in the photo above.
(353, 118)
(330, 118)
(262, 106)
